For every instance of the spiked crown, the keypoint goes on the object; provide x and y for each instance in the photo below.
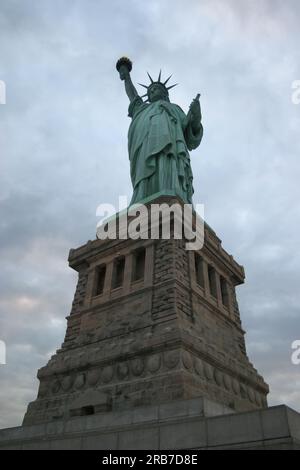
(158, 82)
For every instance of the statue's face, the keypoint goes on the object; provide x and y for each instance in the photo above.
(155, 93)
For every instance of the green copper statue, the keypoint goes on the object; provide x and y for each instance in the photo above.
(159, 138)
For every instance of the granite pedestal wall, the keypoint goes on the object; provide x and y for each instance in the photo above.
(151, 323)
(177, 425)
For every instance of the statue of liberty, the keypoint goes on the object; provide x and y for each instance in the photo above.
(159, 139)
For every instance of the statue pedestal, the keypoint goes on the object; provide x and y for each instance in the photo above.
(152, 326)
(150, 323)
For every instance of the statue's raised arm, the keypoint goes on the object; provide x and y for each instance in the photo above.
(124, 67)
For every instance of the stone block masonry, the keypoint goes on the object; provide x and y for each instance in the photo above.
(165, 331)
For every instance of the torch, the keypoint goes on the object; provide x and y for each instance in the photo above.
(124, 66)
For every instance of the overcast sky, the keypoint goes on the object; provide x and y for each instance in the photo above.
(63, 144)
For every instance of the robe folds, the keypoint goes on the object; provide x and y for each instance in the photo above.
(159, 140)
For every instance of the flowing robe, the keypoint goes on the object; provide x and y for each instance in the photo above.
(159, 139)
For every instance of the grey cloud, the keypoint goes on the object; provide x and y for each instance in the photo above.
(63, 151)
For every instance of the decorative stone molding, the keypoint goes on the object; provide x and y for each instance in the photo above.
(79, 381)
(218, 377)
(171, 359)
(122, 370)
(187, 360)
(137, 366)
(235, 386)
(208, 370)
(107, 374)
(66, 383)
(93, 376)
(55, 387)
(227, 382)
(154, 363)
(198, 366)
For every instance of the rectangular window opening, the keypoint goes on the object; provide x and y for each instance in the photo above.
(139, 258)
(224, 291)
(87, 411)
(199, 270)
(212, 281)
(118, 272)
(100, 279)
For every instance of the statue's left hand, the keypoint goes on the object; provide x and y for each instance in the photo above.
(195, 110)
